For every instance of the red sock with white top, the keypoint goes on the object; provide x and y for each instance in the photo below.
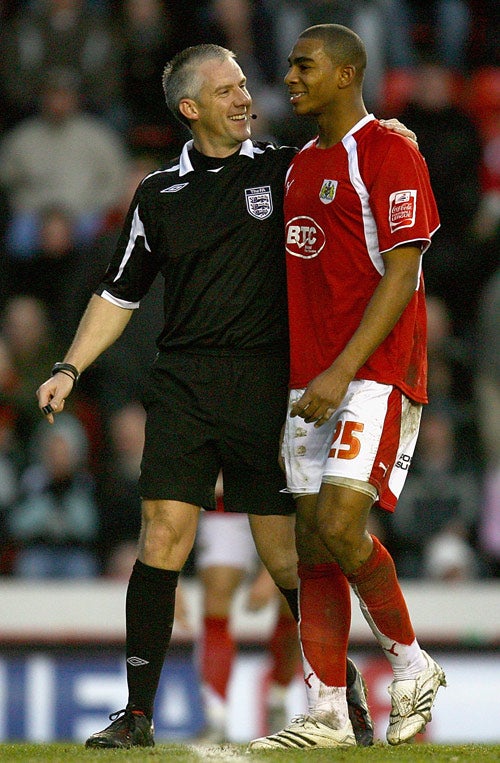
(383, 605)
(325, 619)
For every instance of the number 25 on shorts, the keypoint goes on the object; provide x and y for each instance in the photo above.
(345, 443)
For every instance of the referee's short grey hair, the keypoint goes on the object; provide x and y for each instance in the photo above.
(181, 78)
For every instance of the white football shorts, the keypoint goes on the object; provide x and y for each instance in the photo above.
(370, 439)
(225, 540)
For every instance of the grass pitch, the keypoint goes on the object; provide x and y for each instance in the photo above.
(236, 753)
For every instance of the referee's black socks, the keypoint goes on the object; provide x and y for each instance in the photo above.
(150, 608)
(292, 597)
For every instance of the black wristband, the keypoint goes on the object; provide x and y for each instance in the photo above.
(66, 368)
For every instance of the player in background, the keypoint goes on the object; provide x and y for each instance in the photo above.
(226, 558)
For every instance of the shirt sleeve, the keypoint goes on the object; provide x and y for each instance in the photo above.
(134, 265)
(402, 199)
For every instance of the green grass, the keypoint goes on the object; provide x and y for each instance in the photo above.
(235, 753)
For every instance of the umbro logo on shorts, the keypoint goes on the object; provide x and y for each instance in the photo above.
(137, 661)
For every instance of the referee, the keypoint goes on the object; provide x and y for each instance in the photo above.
(212, 223)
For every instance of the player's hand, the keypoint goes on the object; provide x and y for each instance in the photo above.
(400, 128)
(321, 398)
(52, 394)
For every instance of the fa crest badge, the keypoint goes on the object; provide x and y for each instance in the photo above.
(328, 191)
(259, 201)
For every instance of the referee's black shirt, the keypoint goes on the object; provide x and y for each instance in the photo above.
(214, 228)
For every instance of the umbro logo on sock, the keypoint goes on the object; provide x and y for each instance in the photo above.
(137, 661)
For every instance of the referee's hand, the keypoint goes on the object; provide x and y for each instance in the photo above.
(52, 394)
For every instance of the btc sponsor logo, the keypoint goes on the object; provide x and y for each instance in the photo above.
(304, 237)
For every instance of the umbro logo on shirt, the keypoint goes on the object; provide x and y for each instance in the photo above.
(174, 188)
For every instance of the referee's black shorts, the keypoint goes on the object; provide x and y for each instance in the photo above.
(211, 411)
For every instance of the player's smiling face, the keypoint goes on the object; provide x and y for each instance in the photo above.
(311, 78)
(223, 108)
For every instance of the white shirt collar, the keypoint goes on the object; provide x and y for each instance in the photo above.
(185, 165)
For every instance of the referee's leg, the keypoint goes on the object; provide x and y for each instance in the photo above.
(274, 537)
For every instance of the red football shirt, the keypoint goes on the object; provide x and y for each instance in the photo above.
(344, 207)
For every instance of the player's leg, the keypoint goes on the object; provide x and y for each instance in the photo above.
(324, 603)
(283, 647)
(167, 535)
(225, 554)
(178, 474)
(217, 647)
(324, 630)
(386, 426)
(274, 537)
(383, 605)
(284, 651)
(330, 679)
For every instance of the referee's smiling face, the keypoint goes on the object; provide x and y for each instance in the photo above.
(220, 116)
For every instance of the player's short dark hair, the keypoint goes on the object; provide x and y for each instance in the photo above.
(341, 44)
(181, 74)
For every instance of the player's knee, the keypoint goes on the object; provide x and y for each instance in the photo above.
(340, 535)
(284, 571)
(164, 541)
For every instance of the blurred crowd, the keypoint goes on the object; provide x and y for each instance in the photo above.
(84, 120)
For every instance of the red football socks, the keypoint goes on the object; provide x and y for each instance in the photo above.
(325, 619)
(217, 652)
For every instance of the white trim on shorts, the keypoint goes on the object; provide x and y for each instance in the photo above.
(370, 438)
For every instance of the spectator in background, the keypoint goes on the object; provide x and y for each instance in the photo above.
(247, 28)
(117, 493)
(451, 379)
(449, 557)
(489, 530)
(441, 27)
(488, 397)
(62, 156)
(487, 221)
(68, 34)
(440, 505)
(54, 524)
(442, 350)
(10, 451)
(52, 272)
(147, 40)
(484, 46)
(488, 362)
(28, 338)
(452, 147)
(118, 374)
